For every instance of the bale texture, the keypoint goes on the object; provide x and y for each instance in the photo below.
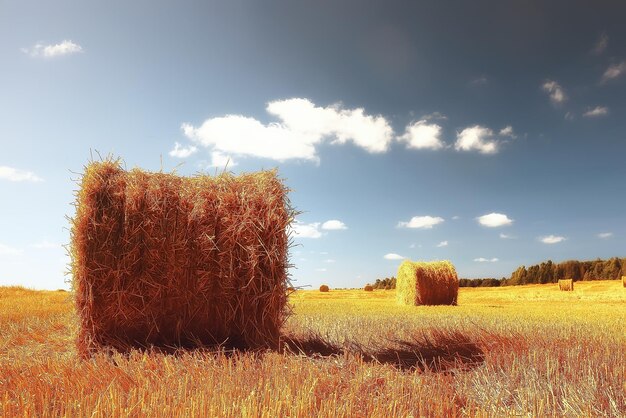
(566, 285)
(368, 288)
(427, 283)
(168, 261)
(324, 288)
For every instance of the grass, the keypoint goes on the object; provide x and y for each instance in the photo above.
(524, 350)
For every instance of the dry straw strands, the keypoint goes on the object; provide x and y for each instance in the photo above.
(566, 285)
(324, 288)
(168, 261)
(368, 288)
(427, 283)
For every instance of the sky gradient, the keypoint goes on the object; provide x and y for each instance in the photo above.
(491, 134)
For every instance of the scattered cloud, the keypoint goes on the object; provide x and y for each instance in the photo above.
(507, 236)
(601, 44)
(333, 225)
(421, 222)
(7, 250)
(442, 244)
(614, 71)
(180, 151)
(220, 160)
(508, 131)
(329, 260)
(569, 116)
(322, 269)
(456, 218)
(596, 112)
(485, 260)
(605, 235)
(494, 220)
(393, 256)
(552, 239)
(46, 245)
(301, 127)
(435, 116)
(479, 81)
(14, 174)
(56, 50)
(555, 91)
(302, 230)
(476, 138)
(422, 135)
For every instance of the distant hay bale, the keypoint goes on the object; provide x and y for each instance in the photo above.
(169, 261)
(427, 283)
(566, 285)
(368, 288)
(324, 288)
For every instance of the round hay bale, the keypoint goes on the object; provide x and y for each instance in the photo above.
(169, 261)
(324, 288)
(427, 283)
(368, 288)
(566, 285)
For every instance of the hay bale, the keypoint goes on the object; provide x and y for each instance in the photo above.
(623, 281)
(324, 288)
(368, 288)
(566, 285)
(427, 283)
(168, 261)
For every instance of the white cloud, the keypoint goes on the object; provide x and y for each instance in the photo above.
(421, 222)
(494, 220)
(555, 91)
(508, 131)
(412, 246)
(479, 81)
(46, 245)
(321, 269)
(7, 250)
(393, 256)
(551, 239)
(14, 174)
(456, 218)
(605, 235)
(506, 236)
(422, 135)
(301, 230)
(476, 138)
(221, 160)
(614, 71)
(56, 50)
(486, 260)
(442, 244)
(180, 151)
(569, 116)
(301, 127)
(329, 260)
(334, 224)
(601, 44)
(596, 112)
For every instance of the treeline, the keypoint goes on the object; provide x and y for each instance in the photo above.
(549, 272)
(489, 282)
(385, 284)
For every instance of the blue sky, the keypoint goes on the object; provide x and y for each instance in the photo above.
(491, 134)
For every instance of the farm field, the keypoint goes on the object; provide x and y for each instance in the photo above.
(525, 350)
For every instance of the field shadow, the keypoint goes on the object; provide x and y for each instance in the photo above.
(435, 351)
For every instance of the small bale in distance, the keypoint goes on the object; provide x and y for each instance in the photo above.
(368, 288)
(324, 288)
(160, 260)
(566, 285)
(427, 283)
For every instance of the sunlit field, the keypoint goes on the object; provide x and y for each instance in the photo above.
(524, 350)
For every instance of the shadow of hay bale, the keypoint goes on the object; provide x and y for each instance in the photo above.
(439, 352)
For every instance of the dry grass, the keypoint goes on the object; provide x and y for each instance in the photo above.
(427, 283)
(566, 285)
(169, 261)
(523, 351)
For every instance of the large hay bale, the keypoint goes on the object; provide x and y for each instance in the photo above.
(368, 288)
(324, 288)
(427, 283)
(168, 261)
(566, 285)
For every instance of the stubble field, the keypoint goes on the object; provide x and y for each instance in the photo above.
(524, 350)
